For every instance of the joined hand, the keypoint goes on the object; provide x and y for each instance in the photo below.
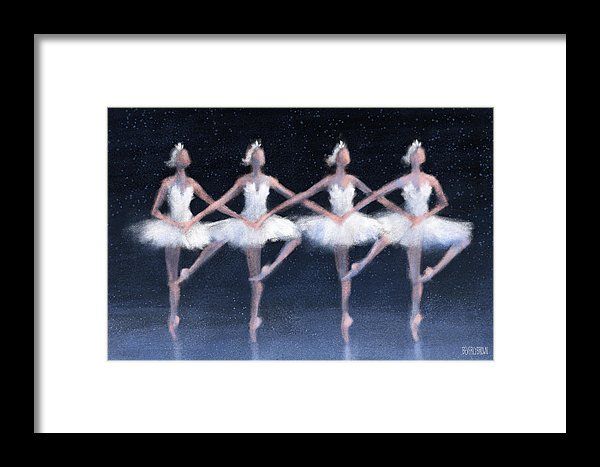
(251, 224)
(346, 215)
(339, 219)
(259, 222)
(416, 220)
(186, 226)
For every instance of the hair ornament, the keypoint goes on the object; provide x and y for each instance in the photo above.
(412, 149)
(330, 159)
(253, 147)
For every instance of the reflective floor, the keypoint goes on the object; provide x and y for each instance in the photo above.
(456, 333)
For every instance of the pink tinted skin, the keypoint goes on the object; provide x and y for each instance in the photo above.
(341, 253)
(256, 274)
(182, 181)
(414, 254)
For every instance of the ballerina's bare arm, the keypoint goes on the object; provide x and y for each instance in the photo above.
(382, 200)
(384, 190)
(297, 198)
(204, 196)
(158, 202)
(442, 200)
(308, 203)
(228, 196)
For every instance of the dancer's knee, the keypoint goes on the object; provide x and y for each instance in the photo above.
(464, 243)
(414, 278)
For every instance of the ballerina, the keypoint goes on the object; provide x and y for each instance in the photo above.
(418, 229)
(335, 232)
(250, 237)
(167, 231)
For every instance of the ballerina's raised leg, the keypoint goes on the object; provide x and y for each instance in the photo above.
(342, 261)
(253, 257)
(377, 248)
(209, 251)
(285, 251)
(450, 254)
(172, 261)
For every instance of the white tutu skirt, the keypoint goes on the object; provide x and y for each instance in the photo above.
(158, 233)
(433, 233)
(238, 234)
(358, 229)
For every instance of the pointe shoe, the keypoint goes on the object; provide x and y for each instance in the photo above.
(414, 326)
(354, 271)
(427, 275)
(173, 325)
(183, 275)
(255, 323)
(264, 272)
(346, 323)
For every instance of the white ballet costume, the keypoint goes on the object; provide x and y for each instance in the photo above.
(238, 234)
(357, 229)
(434, 232)
(159, 233)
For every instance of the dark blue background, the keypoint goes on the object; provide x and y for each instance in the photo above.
(301, 300)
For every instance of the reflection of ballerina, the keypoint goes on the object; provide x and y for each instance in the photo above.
(418, 229)
(166, 231)
(333, 232)
(246, 234)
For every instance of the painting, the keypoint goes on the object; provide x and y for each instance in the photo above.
(300, 233)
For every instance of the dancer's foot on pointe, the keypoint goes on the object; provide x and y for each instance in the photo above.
(346, 323)
(254, 325)
(414, 326)
(183, 275)
(427, 275)
(264, 272)
(173, 324)
(354, 270)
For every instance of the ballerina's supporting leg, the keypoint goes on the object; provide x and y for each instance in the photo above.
(283, 254)
(172, 261)
(253, 257)
(207, 253)
(381, 243)
(342, 262)
(414, 274)
(452, 252)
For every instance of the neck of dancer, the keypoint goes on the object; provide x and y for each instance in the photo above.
(256, 170)
(180, 173)
(415, 169)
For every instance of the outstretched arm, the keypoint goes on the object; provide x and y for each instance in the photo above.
(382, 200)
(204, 196)
(298, 198)
(309, 204)
(384, 190)
(228, 196)
(158, 202)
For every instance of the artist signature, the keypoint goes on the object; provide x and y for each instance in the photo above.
(470, 350)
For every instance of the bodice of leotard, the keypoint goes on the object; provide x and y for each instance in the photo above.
(341, 198)
(179, 203)
(416, 199)
(255, 200)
